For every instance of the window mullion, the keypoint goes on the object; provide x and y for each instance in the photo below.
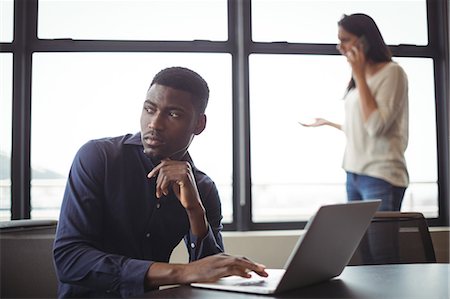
(25, 32)
(240, 34)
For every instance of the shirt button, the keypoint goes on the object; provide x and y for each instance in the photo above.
(192, 245)
(158, 205)
(147, 235)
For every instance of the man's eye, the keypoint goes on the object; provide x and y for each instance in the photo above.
(149, 109)
(174, 114)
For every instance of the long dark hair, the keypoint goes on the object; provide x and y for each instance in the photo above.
(362, 25)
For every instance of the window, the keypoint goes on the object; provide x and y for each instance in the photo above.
(422, 194)
(6, 20)
(294, 169)
(133, 19)
(307, 171)
(5, 134)
(315, 21)
(297, 169)
(82, 96)
(89, 63)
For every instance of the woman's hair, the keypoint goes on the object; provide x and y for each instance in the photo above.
(187, 80)
(362, 25)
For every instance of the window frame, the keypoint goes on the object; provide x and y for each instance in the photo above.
(240, 46)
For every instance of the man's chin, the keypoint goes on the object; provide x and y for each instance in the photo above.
(151, 153)
(155, 156)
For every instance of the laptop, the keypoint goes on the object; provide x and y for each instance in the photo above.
(331, 236)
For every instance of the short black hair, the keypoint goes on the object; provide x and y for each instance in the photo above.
(187, 80)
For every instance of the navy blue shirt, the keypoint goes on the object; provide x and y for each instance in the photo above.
(112, 227)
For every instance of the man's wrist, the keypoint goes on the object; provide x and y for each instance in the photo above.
(160, 274)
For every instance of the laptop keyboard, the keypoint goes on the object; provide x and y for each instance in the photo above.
(252, 283)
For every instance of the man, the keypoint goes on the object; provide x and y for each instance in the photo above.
(129, 200)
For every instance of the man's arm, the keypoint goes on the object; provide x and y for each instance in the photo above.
(212, 243)
(392, 98)
(78, 257)
(204, 211)
(207, 269)
(178, 176)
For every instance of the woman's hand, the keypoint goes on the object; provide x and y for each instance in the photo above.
(357, 60)
(318, 122)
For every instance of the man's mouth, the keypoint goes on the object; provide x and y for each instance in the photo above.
(152, 139)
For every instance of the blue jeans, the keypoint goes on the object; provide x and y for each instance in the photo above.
(379, 244)
(360, 187)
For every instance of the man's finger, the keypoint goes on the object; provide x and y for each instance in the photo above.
(154, 171)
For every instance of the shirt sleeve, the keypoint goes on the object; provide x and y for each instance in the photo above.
(212, 243)
(78, 255)
(391, 97)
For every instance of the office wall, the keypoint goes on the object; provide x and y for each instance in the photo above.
(27, 264)
(441, 241)
(272, 248)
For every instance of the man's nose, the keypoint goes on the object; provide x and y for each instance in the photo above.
(155, 121)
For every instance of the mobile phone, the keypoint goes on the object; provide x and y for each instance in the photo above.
(364, 44)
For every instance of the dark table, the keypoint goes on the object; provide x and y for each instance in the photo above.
(427, 281)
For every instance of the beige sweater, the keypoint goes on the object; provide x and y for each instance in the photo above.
(377, 147)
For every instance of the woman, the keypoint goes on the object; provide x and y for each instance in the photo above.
(376, 115)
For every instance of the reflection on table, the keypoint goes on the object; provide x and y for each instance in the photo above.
(381, 281)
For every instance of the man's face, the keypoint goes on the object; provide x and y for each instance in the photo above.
(169, 122)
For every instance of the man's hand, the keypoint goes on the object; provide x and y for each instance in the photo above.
(213, 267)
(208, 269)
(178, 175)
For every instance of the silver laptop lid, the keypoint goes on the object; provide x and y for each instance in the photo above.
(328, 244)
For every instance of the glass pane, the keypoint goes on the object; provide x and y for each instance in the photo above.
(315, 21)
(305, 171)
(80, 96)
(133, 19)
(421, 154)
(6, 20)
(5, 134)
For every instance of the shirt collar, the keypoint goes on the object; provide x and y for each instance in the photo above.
(134, 139)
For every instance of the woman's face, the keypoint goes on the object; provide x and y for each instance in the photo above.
(347, 40)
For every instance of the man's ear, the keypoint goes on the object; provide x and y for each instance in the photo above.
(201, 124)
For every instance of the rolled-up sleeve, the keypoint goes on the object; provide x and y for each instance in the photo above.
(208, 245)
(391, 97)
(132, 277)
(212, 242)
